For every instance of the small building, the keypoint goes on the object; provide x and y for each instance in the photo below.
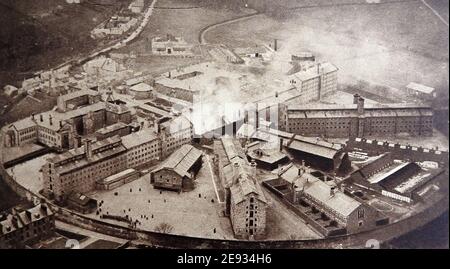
(137, 6)
(10, 90)
(118, 179)
(78, 98)
(421, 91)
(81, 203)
(19, 227)
(141, 91)
(322, 204)
(120, 129)
(170, 46)
(265, 155)
(179, 170)
(320, 154)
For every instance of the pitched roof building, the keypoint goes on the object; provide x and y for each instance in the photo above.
(178, 171)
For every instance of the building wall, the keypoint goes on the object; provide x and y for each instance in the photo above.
(82, 179)
(34, 230)
(143, 153)
(244, 218)
(167, 179)
(359, 126)
(328, 83)
(172, 141)
(362, 219)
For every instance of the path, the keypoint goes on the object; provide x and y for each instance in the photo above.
(201, 37)
(435, 12)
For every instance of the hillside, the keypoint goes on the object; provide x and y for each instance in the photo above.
(40, 34)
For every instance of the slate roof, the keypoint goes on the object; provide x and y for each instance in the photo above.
(181, 161)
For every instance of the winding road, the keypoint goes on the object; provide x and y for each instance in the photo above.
(201, 37)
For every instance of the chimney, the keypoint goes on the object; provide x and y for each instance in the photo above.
(281, 144)
(360, 105)
(44, 207)
(41, 117)
(276, 94)
(275, 45)
(50, 119)
(32, 116)
(235, 173)
(28, 214)
(355, 98)
(300, 172)
(257, 117)
(88, 149)
(332, 191)
(157, 127)
(253, 166)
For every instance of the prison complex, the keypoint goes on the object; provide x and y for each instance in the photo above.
(79, 169)
(245, 202)
(357, 119)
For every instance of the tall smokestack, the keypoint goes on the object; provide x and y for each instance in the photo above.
(275, 45)
(50, 119)
(281, 144)
(257, 116)
(355, 98)
(360, 105)
(235, 173)
(88, 149)
(332, 191)
(41, 118)
(253, 166)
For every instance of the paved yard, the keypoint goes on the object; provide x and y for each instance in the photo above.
(186, 212)
(27, 174)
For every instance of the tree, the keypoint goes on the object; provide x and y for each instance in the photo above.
(164, 228)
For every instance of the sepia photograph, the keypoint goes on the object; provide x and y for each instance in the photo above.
(224, 125)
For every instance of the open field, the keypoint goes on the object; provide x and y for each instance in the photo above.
(186, 23)
(390, 44)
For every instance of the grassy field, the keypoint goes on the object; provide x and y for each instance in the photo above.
(389, 44)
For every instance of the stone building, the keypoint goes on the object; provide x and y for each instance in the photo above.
(357, 119)
(245, 202)
(322, 204)
(77, 98)
(142, 147)
(423, 92)
(316, 81)
(60, 129)
(319, 154)
(78, 169)
(170, 46)
(19, 227)
(120, 129)
(174, 133)
(179, 170)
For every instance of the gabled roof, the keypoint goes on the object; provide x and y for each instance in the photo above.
(18, 219)
(181, 161)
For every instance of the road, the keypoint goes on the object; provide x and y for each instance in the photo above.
(201, 37)
(435, 12)
(130, 37)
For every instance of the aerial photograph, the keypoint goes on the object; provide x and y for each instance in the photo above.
(224, 125)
